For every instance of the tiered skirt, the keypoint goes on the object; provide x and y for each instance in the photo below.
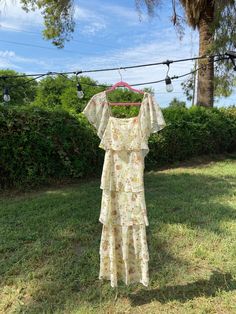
(123, 247)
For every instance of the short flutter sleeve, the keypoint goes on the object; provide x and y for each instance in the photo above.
(97, 113)
(152, 119)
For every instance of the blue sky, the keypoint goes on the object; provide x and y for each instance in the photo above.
(107, 34)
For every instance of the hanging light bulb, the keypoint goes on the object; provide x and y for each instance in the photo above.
(6, 96)
(169, 86)
(80, 92)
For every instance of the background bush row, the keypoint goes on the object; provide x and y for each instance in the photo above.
(38, 144)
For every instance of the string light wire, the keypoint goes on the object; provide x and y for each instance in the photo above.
(225, 56)
(123, 67)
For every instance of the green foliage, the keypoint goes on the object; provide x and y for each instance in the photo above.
(58, 18)
(118, 95)
(224, 81)
(60, 92)
(192, 132)
(224, 84)
(38, 144)
(50, 90)
(177, 103)
(21, 89)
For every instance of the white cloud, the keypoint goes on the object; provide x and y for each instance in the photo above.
(100, 10)
(7, 54)
(89, 22)
(128, 15)
(6, 60)
(12, 15)
(93, 28)
(119, 11)
(10, 59)
(84, 14)
(14, 27)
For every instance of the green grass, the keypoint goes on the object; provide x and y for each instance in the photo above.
(49, 246)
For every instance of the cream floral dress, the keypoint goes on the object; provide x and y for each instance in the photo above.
(123, 247)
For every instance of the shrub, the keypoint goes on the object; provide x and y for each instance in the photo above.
(38, 144)
(192, 132)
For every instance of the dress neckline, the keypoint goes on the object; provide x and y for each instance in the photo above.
(130, 118)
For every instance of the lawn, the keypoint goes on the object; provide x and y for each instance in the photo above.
(49, 245)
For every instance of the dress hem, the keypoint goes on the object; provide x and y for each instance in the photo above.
(145, 223)
(122, 280)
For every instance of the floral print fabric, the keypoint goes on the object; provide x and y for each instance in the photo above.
(123, 171)
(123, 246)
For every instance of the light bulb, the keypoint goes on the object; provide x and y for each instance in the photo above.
(80, 92)
(6, 96)
(169, 86)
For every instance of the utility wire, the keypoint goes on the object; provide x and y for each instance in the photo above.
(41, 47)
(55, 49)
(73, 39)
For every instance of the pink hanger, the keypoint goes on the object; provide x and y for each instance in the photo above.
(124, 84)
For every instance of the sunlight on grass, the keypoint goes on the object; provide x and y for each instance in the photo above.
(49, 246)
(57, 192)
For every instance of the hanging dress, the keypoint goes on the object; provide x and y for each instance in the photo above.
(123, 247)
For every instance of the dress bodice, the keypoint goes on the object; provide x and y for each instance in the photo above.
(124, 133)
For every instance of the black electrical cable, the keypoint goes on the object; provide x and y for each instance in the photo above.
(136, 84)
(152, 82)
(167, 62)
(162, 80)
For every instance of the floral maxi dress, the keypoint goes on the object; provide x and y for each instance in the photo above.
(123, 247)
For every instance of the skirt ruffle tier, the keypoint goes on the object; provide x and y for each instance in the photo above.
(124, 254)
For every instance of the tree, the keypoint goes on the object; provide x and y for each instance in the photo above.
(50, 89)
(214, 19)
(223, 84)
(22, 90)
(177, 103)
(60, 91)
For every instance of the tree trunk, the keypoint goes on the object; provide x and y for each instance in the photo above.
(205, 88)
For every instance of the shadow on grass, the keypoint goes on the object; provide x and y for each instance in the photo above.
(204, 287)
(192, 200)
(56, 237)
(198, 161)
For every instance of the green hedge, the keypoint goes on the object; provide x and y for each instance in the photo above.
(38, 145)
(192, 132)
